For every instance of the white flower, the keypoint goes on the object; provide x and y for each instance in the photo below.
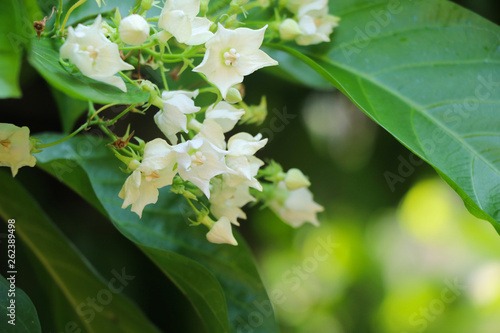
(232, 54)
(199, 161)
(154, 172)
(289, 29)
(295, 207)
(227, 200)
(316, 26)
(225, 115)
(134, 29)
(178, 17)
(172, 118)
(15, 147)
(95, 55)
(241, 148)
(221, 233)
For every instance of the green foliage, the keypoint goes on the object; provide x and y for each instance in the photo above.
(406, 65)
(70, 271)
(11, 44)
(221, 281)
(26, 318)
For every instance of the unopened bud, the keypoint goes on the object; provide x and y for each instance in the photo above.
(289, 29)
(255, 114)
(295, 179)
(233, 96)
(134, 29)
(146, 5)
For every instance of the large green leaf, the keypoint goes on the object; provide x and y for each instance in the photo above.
(21, 314)
(70, 109)
(69, 269)
(12, 39)
(221, 281)
(428, 72)
(45, 58)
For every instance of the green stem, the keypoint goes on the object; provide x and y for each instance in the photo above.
(127, 78)
(124, 112)
(107, 132)
(140, 47)
(76, 5)
(58, 15)
(63, 139)
(93, 16)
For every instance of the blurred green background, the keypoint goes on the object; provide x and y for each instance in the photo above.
(396, 250)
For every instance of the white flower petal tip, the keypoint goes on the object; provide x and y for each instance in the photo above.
(233, 54)
(95, 56)
(221, 233)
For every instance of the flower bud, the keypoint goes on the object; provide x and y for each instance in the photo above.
(233, 96)
(134, 29)
(289, 29)
(221, 232)
(146, 5)
(255, 114)
(295, 179)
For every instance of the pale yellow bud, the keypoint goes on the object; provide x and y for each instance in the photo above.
(134, 29)
(289, 29)
(233, 96)
(295, 179)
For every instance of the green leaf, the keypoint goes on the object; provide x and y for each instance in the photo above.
(69, 269)
(221, 281)
(25, 318)
(70, 109)
(45, 59)
(429, 73)
(11, 44)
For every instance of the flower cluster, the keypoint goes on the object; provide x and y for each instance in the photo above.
(202, 156)
(311, 23)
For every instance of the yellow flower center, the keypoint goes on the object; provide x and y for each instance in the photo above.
(152, 176)
(198, 158)
(5, 144)
(93, 53)
(231, 57)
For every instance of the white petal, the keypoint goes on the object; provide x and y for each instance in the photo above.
(177, 23)
(112, 80)
(200, 32)
(249, 63)
(221, 233)
(225, 115)
(244, 144)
